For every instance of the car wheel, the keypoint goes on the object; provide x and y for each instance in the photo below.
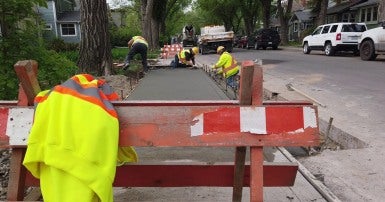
(264, 47)
(306, 48)
(275, 47)
(329, 50)
(256, 47)
(367, 51)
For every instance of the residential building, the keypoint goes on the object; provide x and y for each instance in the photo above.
(367, 12)
(62, 20)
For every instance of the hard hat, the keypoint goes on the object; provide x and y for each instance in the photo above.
(195, 50)
(220, 48)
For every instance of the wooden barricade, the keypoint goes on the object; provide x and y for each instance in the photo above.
(247, 122)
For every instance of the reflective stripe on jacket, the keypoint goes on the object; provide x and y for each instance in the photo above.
(182, 55)
(228, 64)
(74, 136)
(139, 39)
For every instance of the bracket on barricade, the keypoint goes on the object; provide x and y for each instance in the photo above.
(249, 122)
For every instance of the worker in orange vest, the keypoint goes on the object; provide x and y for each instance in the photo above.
(185, 58)
(227, 66)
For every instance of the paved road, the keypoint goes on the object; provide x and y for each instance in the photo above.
(185, 84)
(353, 92)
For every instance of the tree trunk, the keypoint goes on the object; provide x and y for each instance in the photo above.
(266, 5)
(147, 7)
(322, 13)
(284, 16)
(381, 11)
(249, 10)
(95, 48)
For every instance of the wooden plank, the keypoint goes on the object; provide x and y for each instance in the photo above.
(26, 71)
(245, 98)
(17, 174)
(141, 175)
(256, 174)
(203, 126)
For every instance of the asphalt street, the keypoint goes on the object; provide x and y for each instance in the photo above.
(352, 93)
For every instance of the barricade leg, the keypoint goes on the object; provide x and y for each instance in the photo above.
(16, 176)
(256, 174)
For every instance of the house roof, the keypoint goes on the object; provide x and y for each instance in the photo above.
(69, 16)
(345, 6)
(367, 3)
(304, 15)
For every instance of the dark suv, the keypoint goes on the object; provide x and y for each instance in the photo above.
(265, 38)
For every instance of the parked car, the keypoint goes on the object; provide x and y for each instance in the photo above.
(242, 43)
(236, 40)
(334, 37)
(372, 43)
(264, 38)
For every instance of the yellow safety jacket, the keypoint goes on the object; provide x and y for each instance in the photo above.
(73, 142)
(228, 64)
(182, 55)
(139, 39)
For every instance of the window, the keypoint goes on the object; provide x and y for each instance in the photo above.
(369, 14)
(375, 13)
(295, 27)
(352, 17)
(48, 27)
(353, 28)
(317, 31)
(363, 11)
(348, 17)
(345, 17)
(68, 30)
(333, 29)
(325, 30)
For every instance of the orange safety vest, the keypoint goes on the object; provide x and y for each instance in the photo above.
(73, 143)
(182, 55)
(228, 64)
(139, 39)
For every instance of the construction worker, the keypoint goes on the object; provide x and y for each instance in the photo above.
(185, 58)
(137, 45)
(227, 66)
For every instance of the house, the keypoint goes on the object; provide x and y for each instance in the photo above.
(299, 22)
(347, 11)
(342, 12)
(62, 20)
(367, 12)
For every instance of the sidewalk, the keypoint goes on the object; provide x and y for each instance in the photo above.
(185, 84)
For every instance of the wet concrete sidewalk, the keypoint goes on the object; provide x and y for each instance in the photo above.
(185, 84)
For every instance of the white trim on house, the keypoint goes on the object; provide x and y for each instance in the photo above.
(55, 18)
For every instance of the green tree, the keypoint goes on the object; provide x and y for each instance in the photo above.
(19, 40)
(250, 10)
(220, 12)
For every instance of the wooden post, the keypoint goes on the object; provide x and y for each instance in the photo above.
(246, 95)
(26, 71)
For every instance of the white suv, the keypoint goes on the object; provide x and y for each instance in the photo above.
(334, 37)
(372, 43)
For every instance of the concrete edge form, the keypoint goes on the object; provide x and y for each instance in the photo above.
(318, 185)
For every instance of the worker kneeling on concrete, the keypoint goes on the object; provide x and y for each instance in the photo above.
(185, 58)
(227, 66)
